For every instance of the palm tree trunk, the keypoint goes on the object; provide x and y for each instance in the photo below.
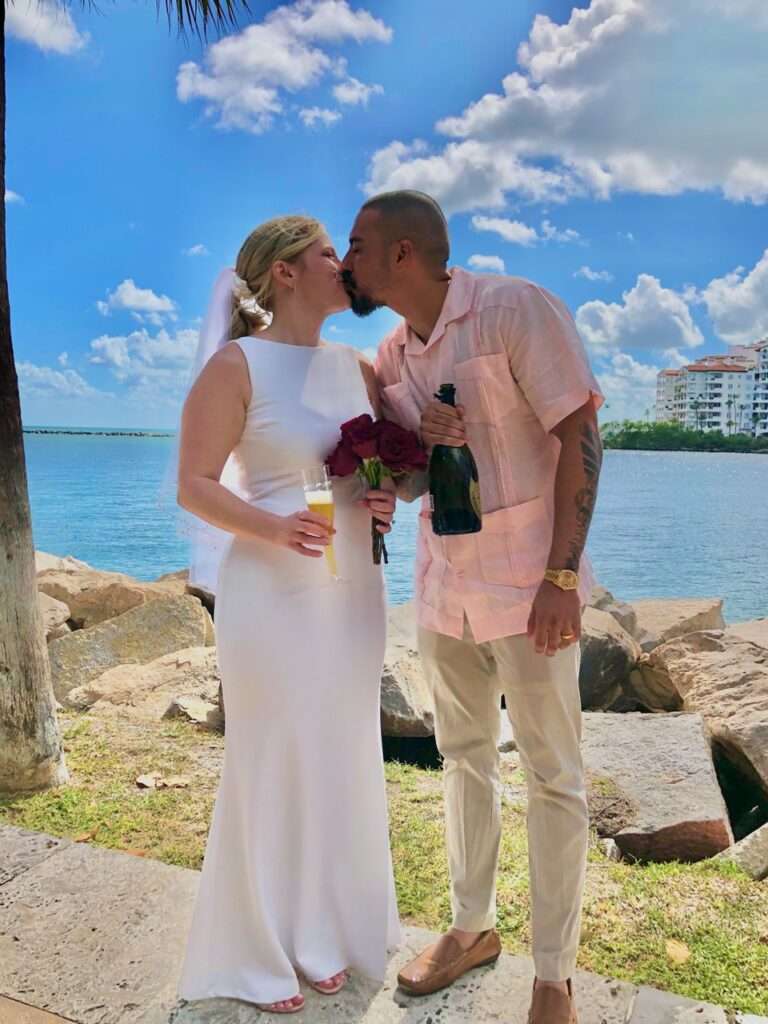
(30, 744)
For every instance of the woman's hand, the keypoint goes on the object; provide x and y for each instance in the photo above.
(381, 504)
(298, 530)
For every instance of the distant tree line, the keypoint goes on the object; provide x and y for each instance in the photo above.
(640, 435)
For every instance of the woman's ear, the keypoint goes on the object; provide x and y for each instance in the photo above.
(283, 273)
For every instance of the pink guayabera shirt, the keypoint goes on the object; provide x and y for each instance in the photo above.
(513, 352)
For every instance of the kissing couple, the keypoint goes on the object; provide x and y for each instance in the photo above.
(297, 883)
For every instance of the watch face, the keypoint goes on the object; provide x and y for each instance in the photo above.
(569, 576)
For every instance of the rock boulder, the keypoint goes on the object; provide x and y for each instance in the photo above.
(723, 678)
(663, 619)
(55, 615)
(94, 596)
(136, 637)
(608, 655)
(659, 769)
(406, 707)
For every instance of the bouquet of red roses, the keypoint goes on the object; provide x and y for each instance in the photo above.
(376, 449)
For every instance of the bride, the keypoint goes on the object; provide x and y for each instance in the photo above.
(297, 878)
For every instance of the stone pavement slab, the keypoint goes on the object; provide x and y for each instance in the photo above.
(492, 994)
(654, 1007)
(22, 850)
(97, 937)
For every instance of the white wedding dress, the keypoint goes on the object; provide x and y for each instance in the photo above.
(297, 874)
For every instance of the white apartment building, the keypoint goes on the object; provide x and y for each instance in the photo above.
(760, 401)
(666, 383)
(714, 393)
(717, 394)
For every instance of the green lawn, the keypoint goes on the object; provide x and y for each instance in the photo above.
(630, 912)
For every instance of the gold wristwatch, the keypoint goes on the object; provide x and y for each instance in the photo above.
(566, 579)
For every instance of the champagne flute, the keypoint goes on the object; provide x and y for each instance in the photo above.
(318, 493)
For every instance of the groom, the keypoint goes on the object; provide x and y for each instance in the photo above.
(499, 611)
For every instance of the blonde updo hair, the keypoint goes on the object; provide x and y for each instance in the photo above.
(282, 238)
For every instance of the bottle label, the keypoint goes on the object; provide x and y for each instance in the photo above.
(474, 497)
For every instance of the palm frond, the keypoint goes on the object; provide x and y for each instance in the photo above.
(197, 16)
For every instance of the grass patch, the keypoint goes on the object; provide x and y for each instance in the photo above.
(103, 801)
(630, 911)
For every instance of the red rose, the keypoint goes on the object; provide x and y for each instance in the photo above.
(400, 450)
(361, 435)
(342, 461)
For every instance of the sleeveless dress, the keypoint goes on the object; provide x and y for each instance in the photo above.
(297, 875)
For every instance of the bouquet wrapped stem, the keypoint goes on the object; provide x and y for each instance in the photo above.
(373, 471)
(376, 450)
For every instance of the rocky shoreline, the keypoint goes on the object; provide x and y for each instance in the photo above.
(675, 701)
(85, 432)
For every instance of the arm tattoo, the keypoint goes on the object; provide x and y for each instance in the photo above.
(591, 458)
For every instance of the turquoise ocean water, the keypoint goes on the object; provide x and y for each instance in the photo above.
(668, 524)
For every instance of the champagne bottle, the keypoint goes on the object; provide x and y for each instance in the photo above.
(453, 484)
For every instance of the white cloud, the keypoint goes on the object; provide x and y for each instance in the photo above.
(629, 387)
(125, 354)
(312, 116)
(63, 359)
(737, 303)
(593, 275)
(467, 175)
(196, 250)
(552, 234)
(44, 381)
(510, 230)
(139, 301)
(13, 197)
(612, 100)
(244, 75)
(517, 233)
(649, 317)
(675, 358)
(45, 24)
(153, 368)
(354, 92)
(494, 264)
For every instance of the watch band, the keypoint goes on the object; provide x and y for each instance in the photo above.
(565, 579)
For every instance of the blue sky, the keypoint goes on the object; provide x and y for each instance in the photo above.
(611, 151)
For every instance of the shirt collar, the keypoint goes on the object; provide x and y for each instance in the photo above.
(458, 302)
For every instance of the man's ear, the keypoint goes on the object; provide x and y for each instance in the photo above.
(404, 250)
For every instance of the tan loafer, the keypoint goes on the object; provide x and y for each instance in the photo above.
(444, 962)
(551, 1006)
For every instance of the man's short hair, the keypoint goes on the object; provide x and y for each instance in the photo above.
(417, 217)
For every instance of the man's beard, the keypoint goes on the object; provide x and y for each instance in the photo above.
(361, 304)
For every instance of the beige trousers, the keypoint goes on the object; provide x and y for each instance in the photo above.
(542, 697)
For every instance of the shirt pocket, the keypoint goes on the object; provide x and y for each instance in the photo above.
(513, 545)
(486, 388)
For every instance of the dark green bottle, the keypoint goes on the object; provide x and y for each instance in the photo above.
(453, 485)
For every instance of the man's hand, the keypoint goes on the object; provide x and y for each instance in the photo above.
(555, 619)
(443, 424)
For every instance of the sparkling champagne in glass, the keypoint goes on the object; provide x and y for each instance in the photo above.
(318, 493)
